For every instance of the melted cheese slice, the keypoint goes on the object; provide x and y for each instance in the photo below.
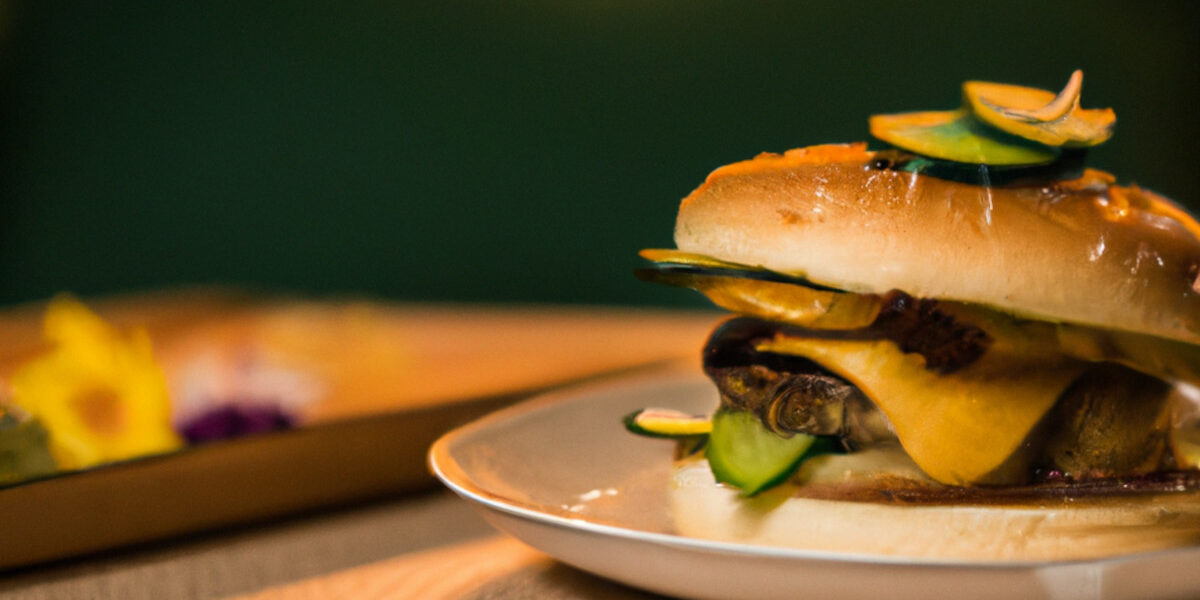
(964, 428)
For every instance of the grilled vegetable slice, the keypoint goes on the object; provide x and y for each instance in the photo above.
(667, 423)
(1111, 422)
(776, 301)
(1039, 115)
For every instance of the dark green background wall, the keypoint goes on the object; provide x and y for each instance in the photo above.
(512, 151)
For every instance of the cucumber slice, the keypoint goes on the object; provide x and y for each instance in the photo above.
(744, 453)
(667, 423)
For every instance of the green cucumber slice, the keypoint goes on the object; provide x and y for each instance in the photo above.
(956, 135)
(745, 454)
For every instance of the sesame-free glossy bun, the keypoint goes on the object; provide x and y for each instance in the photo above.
(1045, 530)
(1083, 251)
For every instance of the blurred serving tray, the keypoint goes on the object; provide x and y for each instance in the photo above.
(395, 377)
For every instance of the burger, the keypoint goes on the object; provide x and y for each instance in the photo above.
(964, 344)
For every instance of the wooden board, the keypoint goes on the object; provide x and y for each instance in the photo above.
(397, 376)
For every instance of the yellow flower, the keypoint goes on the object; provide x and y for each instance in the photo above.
(100, 394)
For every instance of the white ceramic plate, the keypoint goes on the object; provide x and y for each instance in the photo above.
(560, 473)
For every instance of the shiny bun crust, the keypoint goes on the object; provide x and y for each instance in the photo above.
(1083, 251)
(1053, 530)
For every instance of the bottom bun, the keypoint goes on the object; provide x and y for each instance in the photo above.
(1034, 530)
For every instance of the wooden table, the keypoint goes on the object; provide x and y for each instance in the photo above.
(430, 545)
(381, 532)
